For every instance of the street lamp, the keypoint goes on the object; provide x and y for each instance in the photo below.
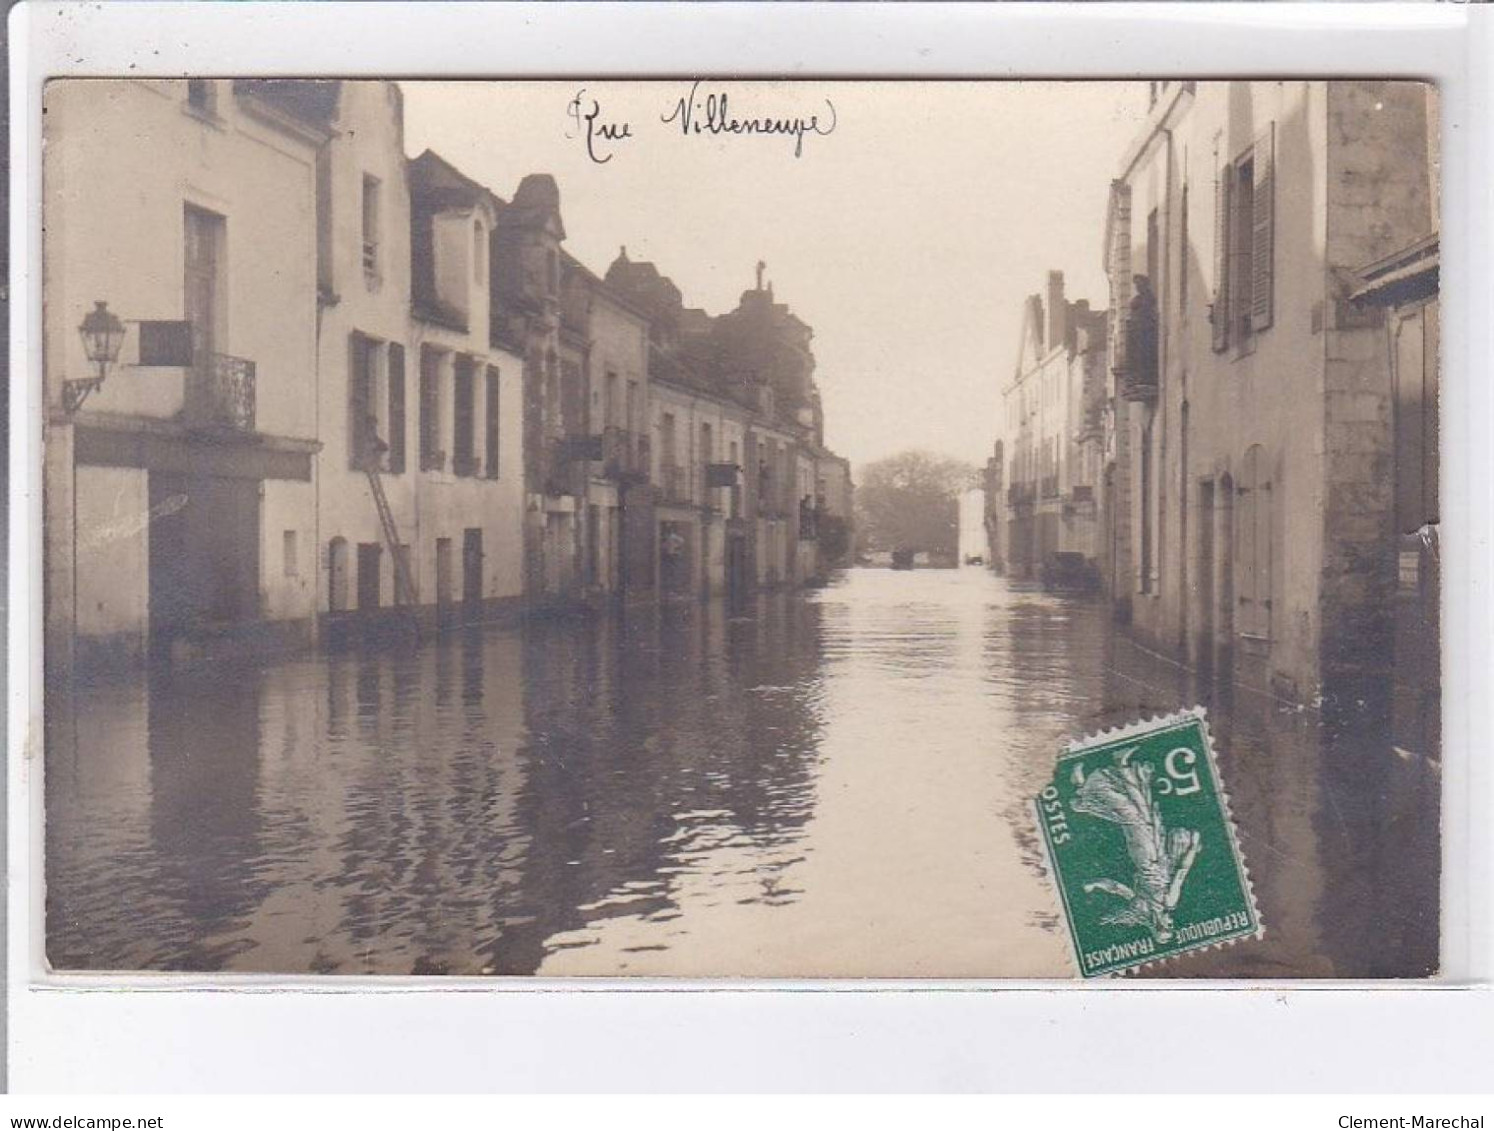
(102, 333)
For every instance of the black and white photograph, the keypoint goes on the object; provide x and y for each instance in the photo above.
(672, 529)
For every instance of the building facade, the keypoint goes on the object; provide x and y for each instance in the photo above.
(359, 390)
(1251, 422)
(179, 494)
(606, 341)
(739, 469)
(419, 485)
(1052, 438)
(526, 319)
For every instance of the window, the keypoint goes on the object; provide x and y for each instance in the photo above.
(707, 454)
(668, 456)
(666, 441)
(552, 272)
(736, 490)
(203, 236)
(609, 399)
(464, 419)
(370, 225)
(1153, 250)
(396, 437)
(290, 567)
(432, 458)
(326, 283)
(1244, 244)
(479, 253)
(202, 96)
(491, 405)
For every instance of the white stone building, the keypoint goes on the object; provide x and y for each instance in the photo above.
(179, 495)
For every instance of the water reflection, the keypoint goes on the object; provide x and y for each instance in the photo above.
(830, 784)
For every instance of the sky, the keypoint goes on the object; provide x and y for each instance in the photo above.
(908, 229)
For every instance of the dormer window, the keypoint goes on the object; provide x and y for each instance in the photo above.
(202, 98)
(479, 253)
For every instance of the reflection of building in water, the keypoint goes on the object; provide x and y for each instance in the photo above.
(646, 757)
(460, 809)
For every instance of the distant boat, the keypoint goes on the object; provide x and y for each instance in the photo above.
(902, 559)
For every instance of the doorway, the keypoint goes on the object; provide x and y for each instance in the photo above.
(204, 553)
(736, 569)
(472, 566)
(1203, 646)
(337, 575)
(370, 555)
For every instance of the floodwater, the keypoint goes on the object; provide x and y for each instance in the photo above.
(832, 783)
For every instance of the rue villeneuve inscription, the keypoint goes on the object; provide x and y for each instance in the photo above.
(694, 114)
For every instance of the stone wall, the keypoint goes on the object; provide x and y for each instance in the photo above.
(1379, 200)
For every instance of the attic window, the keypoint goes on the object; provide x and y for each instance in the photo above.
(201, 97)
(479, 253)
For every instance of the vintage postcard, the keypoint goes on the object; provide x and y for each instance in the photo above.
(738, 529)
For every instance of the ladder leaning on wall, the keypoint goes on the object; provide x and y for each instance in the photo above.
(405, 596)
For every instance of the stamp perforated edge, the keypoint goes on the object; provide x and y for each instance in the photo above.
(1105, 737)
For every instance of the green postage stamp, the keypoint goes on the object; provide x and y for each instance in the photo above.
(1143, 848)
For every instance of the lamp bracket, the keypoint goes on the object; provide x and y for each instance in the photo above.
(75, 392)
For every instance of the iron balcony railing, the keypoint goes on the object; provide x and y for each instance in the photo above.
(220, 394)
(624, 454)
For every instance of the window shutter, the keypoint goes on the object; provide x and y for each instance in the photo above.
(357, 401)
(1220, 314)
(1263, 223)
(396, 408)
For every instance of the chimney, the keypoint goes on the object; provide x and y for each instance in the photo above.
(1058, 311)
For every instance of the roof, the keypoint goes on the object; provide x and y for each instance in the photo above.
(1409, 274)
(313, 101)
(441, 185)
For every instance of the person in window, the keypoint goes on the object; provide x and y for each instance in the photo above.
(1141, 333)
(374, 446)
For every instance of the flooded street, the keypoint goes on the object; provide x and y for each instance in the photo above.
(832, 783)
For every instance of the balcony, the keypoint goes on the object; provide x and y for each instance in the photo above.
(625, 455)
(220, 394)
(1080, 501)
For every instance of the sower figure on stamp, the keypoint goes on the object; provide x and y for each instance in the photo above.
(1161, 857)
